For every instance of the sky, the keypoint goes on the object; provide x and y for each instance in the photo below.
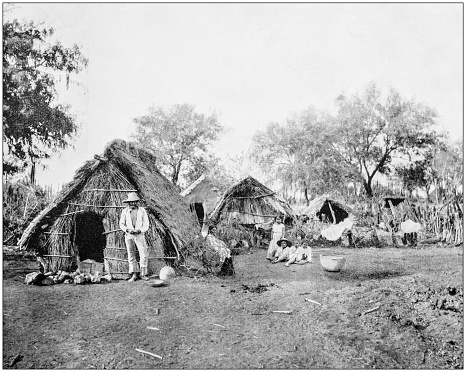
(250, 63)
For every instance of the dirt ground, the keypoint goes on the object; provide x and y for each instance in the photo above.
(389, 308)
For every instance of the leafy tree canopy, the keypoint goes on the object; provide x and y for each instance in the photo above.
(32, 124)
(179, 137)
(370, 131)
(441, 166)
(214, 168)
(298, 153)
(448, 170)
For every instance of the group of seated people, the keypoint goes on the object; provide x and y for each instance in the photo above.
(298, 252)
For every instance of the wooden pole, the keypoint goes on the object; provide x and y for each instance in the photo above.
(333, 213)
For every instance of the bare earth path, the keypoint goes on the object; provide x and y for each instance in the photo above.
(389, 308)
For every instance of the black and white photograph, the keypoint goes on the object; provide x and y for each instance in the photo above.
(233, 185)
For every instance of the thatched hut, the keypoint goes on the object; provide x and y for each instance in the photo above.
(202, 196)
(326, 208)
(249, 203)
(83, 220)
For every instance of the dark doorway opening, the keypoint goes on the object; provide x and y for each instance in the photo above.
(340, 214)
(89, 236)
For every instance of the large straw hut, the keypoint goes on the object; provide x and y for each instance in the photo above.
(325, 207)
(248, 203)
(83, 220)
(202, 196)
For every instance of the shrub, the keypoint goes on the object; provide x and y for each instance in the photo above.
(21, 203)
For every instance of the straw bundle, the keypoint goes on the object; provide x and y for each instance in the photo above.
(60, 245)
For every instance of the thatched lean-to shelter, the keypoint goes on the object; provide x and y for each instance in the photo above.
(202, 196)
(324, 207)
(248, 203)
(83, 220)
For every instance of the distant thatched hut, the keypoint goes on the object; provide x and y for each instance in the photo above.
(324, 207)
(202, 196)
(248, 203)
(83, 220)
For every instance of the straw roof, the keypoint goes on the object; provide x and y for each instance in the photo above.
(320, 205)
(250, 202)
(203, 191)
(99, 187)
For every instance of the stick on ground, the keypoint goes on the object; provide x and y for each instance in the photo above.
(370, 310)
(218, 325)
(314, 302)
(151, 354)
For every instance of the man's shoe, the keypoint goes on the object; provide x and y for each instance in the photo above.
(133, 278)
(145, 277)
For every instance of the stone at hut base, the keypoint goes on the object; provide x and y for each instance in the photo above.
(79, 279)
(48, 281)
(34, 278)
(107, 278)
(96, 278)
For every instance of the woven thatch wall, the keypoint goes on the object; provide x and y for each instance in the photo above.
(321, 205)
(249, 202)
(203, 191)
(100, 186)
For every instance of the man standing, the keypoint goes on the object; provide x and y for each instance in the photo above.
(134, 222)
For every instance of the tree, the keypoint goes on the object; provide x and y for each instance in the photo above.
(33, 125)
(298, 153)
(368, 132)
(214, 168)
(417, 174)
(178, 137)
(441, 167)
(448, 169)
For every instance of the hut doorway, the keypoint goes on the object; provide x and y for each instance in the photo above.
(328, 208)
(199, 209)
(89, 238)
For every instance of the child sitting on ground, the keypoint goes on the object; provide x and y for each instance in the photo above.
(286, 249)
(302, 252)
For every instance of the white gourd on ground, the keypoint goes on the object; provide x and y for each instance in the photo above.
(167, 272)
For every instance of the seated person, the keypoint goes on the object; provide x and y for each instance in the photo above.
(302, 254)
(284, 250)
(217, 245)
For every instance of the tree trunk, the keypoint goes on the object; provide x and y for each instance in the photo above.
(306, 196)
(368, 187)
(32, 175)
(427, 193)
(176, 173)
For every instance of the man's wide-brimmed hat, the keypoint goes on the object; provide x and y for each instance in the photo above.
(132, 196)
(288, 243)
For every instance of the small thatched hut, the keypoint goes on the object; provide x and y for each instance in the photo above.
(324, 207)
(202, 196)
(83, 220)
(248, 203)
